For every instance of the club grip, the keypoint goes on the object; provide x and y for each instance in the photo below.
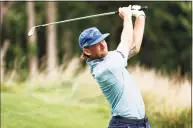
(142, 8)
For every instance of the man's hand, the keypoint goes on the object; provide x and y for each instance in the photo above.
(125, 12)
(135, 11)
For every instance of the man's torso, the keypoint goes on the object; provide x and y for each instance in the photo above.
(118, 86)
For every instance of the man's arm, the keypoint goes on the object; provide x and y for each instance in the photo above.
(127, 32)
(137, 36)
(138, 30)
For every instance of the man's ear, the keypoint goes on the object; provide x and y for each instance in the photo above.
(102, 45)
(86, 51)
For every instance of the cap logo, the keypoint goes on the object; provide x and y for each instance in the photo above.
(91, 34)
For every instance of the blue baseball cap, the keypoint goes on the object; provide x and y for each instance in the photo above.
(90, 37)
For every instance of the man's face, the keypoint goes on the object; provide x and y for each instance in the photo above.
(98, 50)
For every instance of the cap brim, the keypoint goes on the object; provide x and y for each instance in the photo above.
(99, 39)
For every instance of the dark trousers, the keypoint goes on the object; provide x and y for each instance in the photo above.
(121, 122)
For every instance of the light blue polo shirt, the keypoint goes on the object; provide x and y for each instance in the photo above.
(117, 85)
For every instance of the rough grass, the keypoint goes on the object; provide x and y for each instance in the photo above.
(66, 99)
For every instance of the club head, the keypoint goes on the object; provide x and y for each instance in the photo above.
(30, 33)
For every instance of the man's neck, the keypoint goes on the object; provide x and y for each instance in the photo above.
(95, 58)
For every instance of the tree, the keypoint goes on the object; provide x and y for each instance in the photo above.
(33, 60)
(5, 9)
(67, 45)
(52, 59)
(3, 53)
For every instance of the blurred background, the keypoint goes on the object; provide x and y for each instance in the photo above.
(44, 83)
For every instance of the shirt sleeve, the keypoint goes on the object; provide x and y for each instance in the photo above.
(118, 59)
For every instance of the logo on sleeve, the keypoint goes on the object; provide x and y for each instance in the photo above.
(121, 54)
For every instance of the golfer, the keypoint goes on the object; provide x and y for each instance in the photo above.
(109, 69)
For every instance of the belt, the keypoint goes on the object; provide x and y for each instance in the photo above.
(131, 121)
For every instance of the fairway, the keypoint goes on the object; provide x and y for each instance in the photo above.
(26, 111)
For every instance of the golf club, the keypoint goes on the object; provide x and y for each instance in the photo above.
(30, 33)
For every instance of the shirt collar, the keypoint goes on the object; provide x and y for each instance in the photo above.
(93, 63)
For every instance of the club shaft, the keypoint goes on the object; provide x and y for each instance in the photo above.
(85, 17)
(80, 18)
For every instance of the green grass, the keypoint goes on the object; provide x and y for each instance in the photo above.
(57, 110)
(26, 111)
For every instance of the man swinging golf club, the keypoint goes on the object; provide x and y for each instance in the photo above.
(108, 69)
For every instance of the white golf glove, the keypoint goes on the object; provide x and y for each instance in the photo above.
(135, 12)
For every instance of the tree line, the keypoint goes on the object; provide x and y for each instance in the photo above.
(166, 44)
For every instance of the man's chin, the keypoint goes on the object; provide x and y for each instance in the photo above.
(105, 54)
